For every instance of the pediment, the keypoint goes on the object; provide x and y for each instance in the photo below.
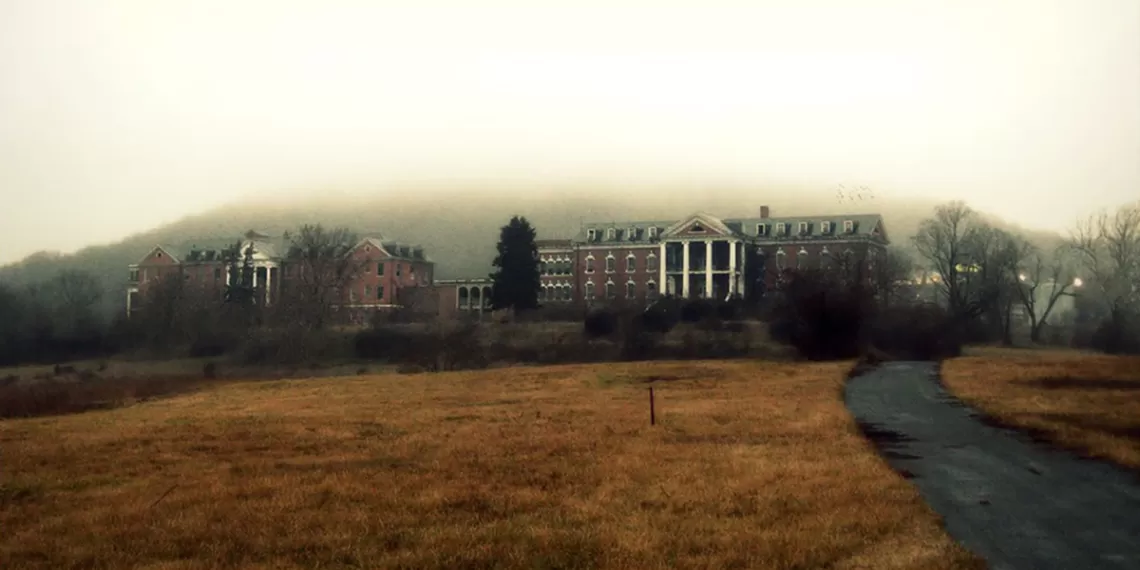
(698, 225)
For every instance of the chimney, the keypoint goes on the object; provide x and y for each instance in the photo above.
(763, 211)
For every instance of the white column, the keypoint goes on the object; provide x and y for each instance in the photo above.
(732, 267)
(268, 284)
(685, 271)
(661, 290)
(708, 269)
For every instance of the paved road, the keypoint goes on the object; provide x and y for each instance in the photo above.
(1015, 503)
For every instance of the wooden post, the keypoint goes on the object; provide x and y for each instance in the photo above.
(652, 411)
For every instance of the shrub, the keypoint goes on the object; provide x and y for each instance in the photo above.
(696, 310)
(920, 332)
(661, 316)
(600, 323)
(820, 318)
(1117, 334)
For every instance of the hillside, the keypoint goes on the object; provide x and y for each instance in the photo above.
(458, 228)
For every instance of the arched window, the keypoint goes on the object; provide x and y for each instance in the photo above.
(802, 259)
(611, 263)
(781, 261)
(590, 263)
(630, 289)
(476, 298)
(611, 290)
(591, 292)
(651, 262)
(651, 289)
(463, 298)
(630, 263)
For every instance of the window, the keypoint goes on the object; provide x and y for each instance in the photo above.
(825, 227)
(565, 292)
(379, 292)
(135, 275)
(803, 228)
(591, 234)
(697, 228)
(590, 263)
(652, 232)
(651, 262)
(848, 226)
(590, 291)
(630, 263)
(781, 228)
(801, 259)
(611, 263)
(399, 268)
(611, 233)
(761, 229)
(611, 290)
(780, 258)
(380, 268)
(631, 234)
(651, 289)
(630, 290)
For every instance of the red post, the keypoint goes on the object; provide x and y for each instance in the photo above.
(652, 411)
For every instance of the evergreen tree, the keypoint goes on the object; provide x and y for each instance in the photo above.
(516, 280)
(240, 290)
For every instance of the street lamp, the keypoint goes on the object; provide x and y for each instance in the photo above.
(1077, 282)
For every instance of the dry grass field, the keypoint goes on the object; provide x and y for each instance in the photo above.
(1083, 401)
(751, 465)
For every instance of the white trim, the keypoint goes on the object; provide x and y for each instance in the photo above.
(590, 259)
(631, 267)
(803, 228)
(848, 226)
(610, 257)
(709, 222)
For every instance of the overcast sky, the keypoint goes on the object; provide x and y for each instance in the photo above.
(117, 116)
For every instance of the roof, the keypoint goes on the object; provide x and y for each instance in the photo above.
(863, 225)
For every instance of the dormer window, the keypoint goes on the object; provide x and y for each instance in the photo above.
(631, 234)
(848, 226)
(803, 228)
(761, 229)
(825, 227)
(591, 234)
(781, 228)
(652, 232)
(611, 234)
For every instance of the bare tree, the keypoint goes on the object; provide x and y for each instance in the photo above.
(952, 242)
(75, 295)
(1043, 279)
(322, 268)
(1108, 248)
(890, 274)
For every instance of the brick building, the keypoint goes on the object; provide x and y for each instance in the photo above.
(696, 256)
(385, 269)
(699, 256)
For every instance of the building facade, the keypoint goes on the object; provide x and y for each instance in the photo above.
(699, 256)
(383, 269)
(636, 262)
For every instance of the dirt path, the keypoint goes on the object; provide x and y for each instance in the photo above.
(1015, 503)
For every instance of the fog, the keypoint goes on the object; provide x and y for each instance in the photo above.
(121, 116)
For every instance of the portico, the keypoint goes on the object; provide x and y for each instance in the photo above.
(702, 258)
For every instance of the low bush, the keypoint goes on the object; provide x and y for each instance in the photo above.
(600, 323)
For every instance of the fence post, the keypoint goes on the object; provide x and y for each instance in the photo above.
(652, 411)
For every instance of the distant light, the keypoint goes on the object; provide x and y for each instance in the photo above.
(1077, 282)
(1021, 276)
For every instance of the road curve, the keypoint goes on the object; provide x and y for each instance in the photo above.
(1015, 503)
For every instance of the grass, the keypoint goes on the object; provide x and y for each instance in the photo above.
(751, 465)
(1086, 402)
